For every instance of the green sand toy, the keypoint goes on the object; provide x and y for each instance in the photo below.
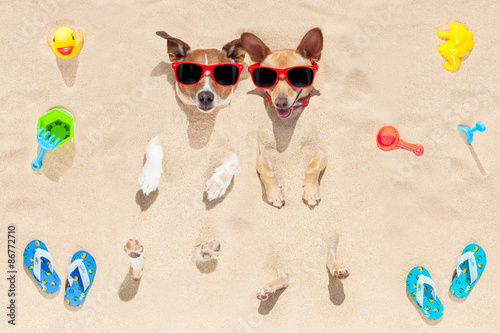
(58, 122)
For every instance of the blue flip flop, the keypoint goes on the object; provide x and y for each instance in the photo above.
(39, 262)
(470, 266)
(81, 274)
(423, 290)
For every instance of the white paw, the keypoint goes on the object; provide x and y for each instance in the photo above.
(217, 185)
(151, 172)
(264, 294)
(149, 178)
(208, 250)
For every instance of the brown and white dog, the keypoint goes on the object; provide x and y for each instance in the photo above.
(205, 96)
(285, 104)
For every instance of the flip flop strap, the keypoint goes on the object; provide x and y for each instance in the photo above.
(421, 280)
(468, 256)
(37, 265)
(78, 263)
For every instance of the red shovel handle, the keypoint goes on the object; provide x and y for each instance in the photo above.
(416, 148)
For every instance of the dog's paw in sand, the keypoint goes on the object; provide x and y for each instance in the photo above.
(275, 196)
(135, 252)
(208, 250)
(336, 269)
(217, 185)
(151, 172)
(270, 289)
(311, 194)
(268, 178)
(311, 182)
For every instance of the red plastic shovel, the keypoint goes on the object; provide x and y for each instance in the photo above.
(388, 139)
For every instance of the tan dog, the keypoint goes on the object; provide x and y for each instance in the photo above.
(205, 96)
(285, 104)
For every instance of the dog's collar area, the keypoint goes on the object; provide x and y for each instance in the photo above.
(298, 104)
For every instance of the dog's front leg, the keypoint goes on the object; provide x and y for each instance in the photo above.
(217, 185)
(311, 183)
(273, 188)
(151, 172)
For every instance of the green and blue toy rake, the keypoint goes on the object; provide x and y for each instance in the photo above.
(58, 122)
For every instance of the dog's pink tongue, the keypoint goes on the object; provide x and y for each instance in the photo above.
(284, 113)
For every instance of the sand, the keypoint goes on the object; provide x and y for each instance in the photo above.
(392, 210)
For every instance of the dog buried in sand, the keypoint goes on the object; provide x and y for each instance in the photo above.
(205, 81)
(287, 77)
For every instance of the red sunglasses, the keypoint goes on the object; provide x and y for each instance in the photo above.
(190, 73)
(299, 77)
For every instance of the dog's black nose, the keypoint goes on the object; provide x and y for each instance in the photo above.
(206, 98)
(281, 103)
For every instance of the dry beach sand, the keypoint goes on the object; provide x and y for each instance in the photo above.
(392, 210)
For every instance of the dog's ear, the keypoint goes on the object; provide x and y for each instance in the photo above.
(256, 49)
(177, 49)
(311, 45)
(234, 51)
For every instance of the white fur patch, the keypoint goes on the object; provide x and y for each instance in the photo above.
(268, 58)
(304, 60)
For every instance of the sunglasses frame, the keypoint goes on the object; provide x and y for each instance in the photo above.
(206, 68)
(283, 71)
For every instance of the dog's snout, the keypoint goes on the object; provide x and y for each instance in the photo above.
(205, 100)
(206, 97)
(281, 103)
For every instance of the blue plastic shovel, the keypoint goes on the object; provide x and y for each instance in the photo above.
(45, 144)
(470, 131)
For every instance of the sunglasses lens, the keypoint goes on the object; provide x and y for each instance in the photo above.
(226, 75)
(300, 77)
(188, 73)
(264, 77)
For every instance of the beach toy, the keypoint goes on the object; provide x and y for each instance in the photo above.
(458, 44)
(423, 290)
(388, 139)
(470, 131)
(40, 264)
(45, 144)
(60, 124)
(81, 274)
(65, 44)
(470, 266)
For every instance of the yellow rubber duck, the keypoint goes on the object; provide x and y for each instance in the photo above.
(458, 44)
(65, 44)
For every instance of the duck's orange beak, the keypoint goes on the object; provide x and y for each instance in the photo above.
(65, 50)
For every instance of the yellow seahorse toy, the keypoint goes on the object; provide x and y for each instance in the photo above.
(458, 44)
